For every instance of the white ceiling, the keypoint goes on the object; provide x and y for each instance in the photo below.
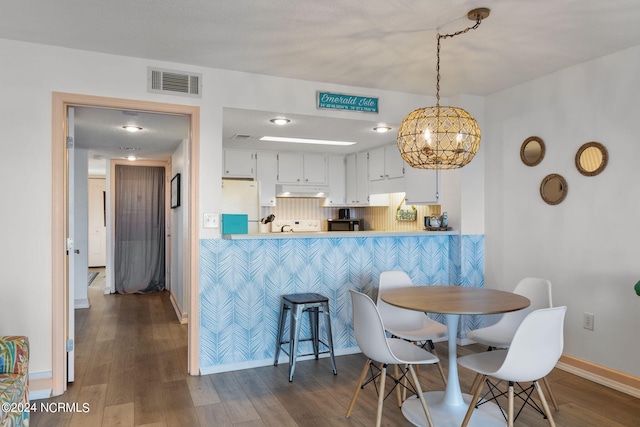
(373, 44)
(100, 130)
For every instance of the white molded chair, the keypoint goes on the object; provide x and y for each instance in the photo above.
(372, 340)
(533, 353)
(409, 325)
(501, 334)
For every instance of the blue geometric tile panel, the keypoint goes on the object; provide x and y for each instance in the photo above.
(241, 282)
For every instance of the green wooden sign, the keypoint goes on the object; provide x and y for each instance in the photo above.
(340, 101)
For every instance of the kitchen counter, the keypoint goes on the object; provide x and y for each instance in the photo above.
(243, 277)
(337, 234)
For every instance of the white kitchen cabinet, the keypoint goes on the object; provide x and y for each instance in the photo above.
(386, 170)
(394, 165)
(290, 168)
(385, 163)
(376, 164)
(267, 175)
(315, 169)
(420, 185)
(299, 168)
(357, 185)
(336, 181)
(238, 164)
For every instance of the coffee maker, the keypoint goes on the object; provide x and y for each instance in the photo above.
(344, 214)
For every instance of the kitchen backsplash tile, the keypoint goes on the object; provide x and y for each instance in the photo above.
(378, 218)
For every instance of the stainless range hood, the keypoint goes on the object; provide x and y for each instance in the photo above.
(308, 191)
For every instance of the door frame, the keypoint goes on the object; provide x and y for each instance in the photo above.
(59, 265)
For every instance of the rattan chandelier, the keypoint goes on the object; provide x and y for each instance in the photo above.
(441, 137)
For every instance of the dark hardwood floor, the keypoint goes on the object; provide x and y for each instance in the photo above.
(131, 358)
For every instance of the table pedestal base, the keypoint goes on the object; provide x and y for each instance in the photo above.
(486, 415)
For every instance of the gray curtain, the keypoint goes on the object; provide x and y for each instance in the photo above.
(139, 264)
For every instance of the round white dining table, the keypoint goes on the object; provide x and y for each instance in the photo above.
(448, 407)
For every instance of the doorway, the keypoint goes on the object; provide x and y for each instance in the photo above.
(60, 306)
(140, 262)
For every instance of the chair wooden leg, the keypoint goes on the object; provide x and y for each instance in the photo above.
(383, 378)
(404, 389)
(358, 387)
(474, 399)
(545, 405)
(550, 393)
(435, 353)
(510, 409)
(421, 396)
(475, 383)
(398, 391)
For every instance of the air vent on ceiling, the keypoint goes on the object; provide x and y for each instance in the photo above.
(240, 136)
(174, 82)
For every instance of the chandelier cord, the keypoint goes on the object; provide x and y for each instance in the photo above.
(444, 36)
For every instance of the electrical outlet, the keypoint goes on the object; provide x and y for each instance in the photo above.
(211, 220)
(587, 321)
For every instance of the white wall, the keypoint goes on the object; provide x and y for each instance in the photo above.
(587, 244)
(178, 226)
(81, 222)
(462, 190)
(25, 116)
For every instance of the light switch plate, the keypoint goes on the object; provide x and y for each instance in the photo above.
(211, 220)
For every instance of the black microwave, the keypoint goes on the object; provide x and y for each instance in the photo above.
(344, 225)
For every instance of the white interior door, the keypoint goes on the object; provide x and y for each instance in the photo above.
(71, 250)
(97, 222)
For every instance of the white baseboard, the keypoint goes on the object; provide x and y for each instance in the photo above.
(464, 341)
(182, 317)
(81, 303)
(284, 359)
(40, 385)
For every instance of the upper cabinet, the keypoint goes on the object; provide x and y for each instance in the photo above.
(385, 163)
(386, 170)
(357, 185)
(393, 164)
(336, 181)
(290, 168)
(266, 174)
(238, 164)
(420, 185)
(315, 169)
(299, 168)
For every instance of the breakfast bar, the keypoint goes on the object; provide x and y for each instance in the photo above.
(243, 277)
(337, 235)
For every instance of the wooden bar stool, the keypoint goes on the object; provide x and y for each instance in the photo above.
(297, 304)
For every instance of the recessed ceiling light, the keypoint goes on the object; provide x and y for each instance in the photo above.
(132, 128)
(132, 158)
(382, 129)
(305, 140)
(280, 121)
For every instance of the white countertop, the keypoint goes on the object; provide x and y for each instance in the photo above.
(337, 234)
